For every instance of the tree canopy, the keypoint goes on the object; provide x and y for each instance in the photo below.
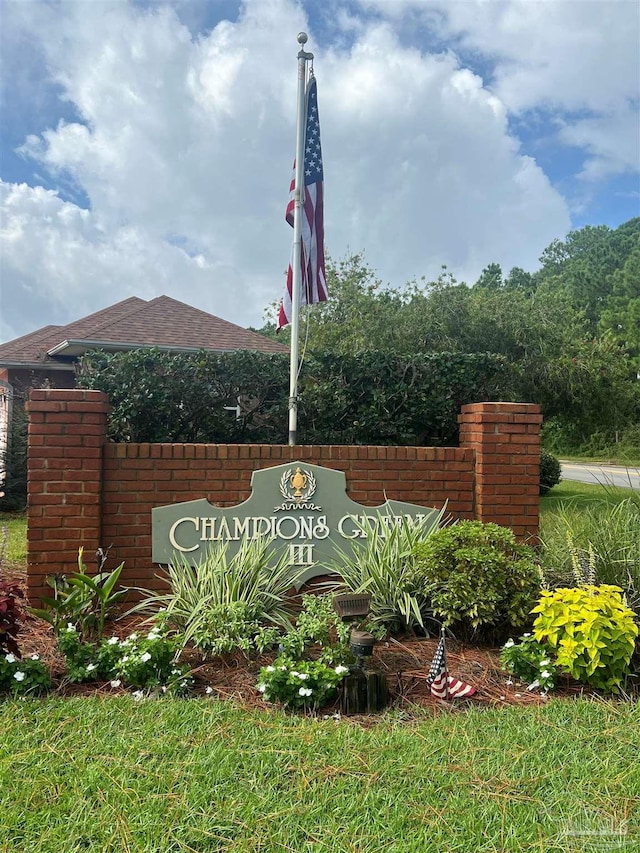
(570, 330)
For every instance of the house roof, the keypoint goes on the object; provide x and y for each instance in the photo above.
(134, 323)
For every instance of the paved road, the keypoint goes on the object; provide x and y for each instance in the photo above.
(611, 475)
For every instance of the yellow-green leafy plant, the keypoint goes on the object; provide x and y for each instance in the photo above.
(590, 630)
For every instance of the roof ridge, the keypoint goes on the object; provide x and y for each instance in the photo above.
(91, 329)
(206, 314)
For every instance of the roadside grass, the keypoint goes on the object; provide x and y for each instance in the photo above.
(572, 494)
(630, 458)
(16, 546)
(168, 775)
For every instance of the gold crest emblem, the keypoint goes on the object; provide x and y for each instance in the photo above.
(297, 486)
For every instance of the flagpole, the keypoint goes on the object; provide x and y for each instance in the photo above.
(303, 58)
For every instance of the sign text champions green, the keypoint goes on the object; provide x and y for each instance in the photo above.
(303, 508)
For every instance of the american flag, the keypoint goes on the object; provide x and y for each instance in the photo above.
(312, 279)
(441, 684)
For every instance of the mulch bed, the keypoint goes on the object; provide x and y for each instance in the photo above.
(405, 662)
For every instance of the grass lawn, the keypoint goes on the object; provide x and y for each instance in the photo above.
(114, 775)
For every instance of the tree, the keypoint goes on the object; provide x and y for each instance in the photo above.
(621, 317)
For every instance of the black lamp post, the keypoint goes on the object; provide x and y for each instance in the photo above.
(354, 607)
(363, 692)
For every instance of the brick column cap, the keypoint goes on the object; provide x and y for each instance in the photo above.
(40, 399)
(501, 408)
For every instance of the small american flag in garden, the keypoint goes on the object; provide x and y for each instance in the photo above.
(313, 282)
(443, 685)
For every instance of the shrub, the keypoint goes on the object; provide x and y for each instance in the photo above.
(230, 627)
(13, 459)
(300, 684)
(476, 574)
(590, 630)
(371, 397)
(318, 623)
(550, 472)
(222, 603)
(381, 565)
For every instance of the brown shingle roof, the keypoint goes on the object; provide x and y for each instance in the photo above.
(163, 322)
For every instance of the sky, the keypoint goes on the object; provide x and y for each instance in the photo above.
(147, 147)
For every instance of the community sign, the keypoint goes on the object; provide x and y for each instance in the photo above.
(301, 508)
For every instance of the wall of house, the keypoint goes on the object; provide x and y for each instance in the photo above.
(85, 491)
(23, 379)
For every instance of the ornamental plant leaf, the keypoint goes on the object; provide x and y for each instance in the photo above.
(591, 630)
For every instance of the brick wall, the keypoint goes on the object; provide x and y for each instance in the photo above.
(86, 491)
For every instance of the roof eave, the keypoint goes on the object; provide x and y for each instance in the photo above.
(37, 365)
(74, 349)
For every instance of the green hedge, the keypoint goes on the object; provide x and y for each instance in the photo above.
(372, 398)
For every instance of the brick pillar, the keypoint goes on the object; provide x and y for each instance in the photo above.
(67, 431)
(505, 438)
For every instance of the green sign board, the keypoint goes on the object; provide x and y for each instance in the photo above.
(303, 508)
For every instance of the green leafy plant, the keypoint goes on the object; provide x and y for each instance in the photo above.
(476, 574)
(318, 623)
(223, 602)
(26, 676)
(591, 631)
(300, 684)
(233, 626)
(83, 600)
(530, 661)
(550, 471)
(381, 564)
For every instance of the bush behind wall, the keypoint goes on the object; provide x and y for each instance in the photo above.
(372, 398)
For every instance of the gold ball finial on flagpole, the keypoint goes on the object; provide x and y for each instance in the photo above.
(303, 38)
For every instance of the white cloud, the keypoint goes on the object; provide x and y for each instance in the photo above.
(562, 56)
(60, 263)
(185, 152)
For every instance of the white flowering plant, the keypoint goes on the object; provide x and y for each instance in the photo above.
(80, 657)
(531, 662)
(148, 661)
(300, 684)
(22, 676)
(141, 660)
